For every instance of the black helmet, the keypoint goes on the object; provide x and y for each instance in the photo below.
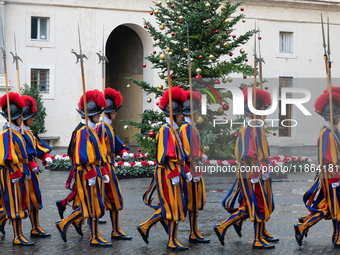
(92, 109)
(111, 105)
(178, 98)
(16, 112)
(263, 100)
(322, 106)
(259, 106)
(95, 103)
(113, 99)
(16, 106)
(30, 108)
(177, 107)
(186, 105)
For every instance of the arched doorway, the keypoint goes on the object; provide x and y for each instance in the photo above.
(124, 50)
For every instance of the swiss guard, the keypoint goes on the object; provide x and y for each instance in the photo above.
(70, 184)
(322, 202)
(192, 146)
(14, 167)
(113, 199)
(253, 181)
(170, 173)
(61, 204)
(35, 148)
(88, 158)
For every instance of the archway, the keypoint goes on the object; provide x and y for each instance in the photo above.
(124, 51)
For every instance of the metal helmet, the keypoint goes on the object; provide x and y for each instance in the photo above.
(178, 98)
(16, 105)
(177, 107)
(30, 108)
(113, 99)
(263, 100)
(95, 103)
(195, 104)
(322, 105)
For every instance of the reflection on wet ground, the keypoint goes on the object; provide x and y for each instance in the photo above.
(288, 207)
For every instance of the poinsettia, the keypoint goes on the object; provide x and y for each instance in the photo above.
(63, 161)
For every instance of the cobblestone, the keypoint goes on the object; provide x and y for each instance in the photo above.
(288, 207)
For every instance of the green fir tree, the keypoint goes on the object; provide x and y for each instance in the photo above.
(39, 119)
(215, 51)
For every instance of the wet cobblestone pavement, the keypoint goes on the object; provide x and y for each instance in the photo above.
(288, 207)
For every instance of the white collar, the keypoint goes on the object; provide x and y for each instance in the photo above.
(92, 125)
(188, 119)
(15, 127)
(107, 121)
(327, 124)
(26, 128)
(175, 126)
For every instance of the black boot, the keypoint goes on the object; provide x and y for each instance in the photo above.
(298, 235)
(144, 236)
(199, 240)
(2, 230)
(24, 244)
(78, 229)
(126, 237)
(165, 226)
(61, 208)
(105, 245)
(220, 238)
(237, 230)
(300, 220)
(271, 239)
(62, 234)
(101, 221)
(264, 247)
(177, 249)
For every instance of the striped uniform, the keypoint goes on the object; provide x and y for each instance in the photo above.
(319, 199)
(113, 196)
(87, 157)
(314, 199)
(13, 163)
(256, 200)
(35, 147)
(196, 191)
(170, 158)
(69, 185)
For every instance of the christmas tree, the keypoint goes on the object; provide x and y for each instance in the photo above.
(39, 119)
(206, 31)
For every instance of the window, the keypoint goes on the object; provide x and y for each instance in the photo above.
(39, 28)
(285, 131)
(286, 42)
(40, 79)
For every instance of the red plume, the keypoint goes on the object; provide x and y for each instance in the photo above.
(93, 95)
(322, 100)
(13, 98)
(260, 95)
(334, 89)
(115, 95)
(177, 94)
(195, 95)
(29, 101)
